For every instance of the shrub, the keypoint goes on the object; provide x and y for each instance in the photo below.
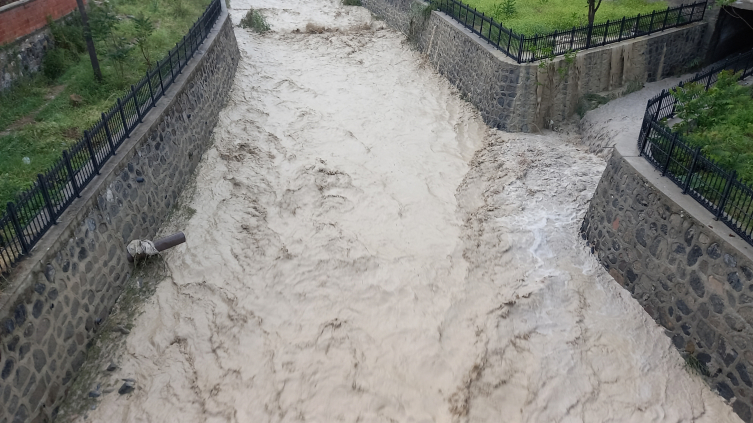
(720, 121)
(351, 2)
(68, 35)
(254, 21)
(54, 63)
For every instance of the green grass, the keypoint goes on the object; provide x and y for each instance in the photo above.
(58, 124)
(544, 16)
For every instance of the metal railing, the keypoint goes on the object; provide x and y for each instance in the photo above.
(37, 209)
(717, 189)
(529, 48)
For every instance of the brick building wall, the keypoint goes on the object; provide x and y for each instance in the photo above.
(20, 18)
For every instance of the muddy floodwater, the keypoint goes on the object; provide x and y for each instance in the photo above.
(365, 249)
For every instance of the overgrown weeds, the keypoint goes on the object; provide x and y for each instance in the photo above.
(351, 2)
(419, 16)
(590, 102)
(693, 364)
(254, 21)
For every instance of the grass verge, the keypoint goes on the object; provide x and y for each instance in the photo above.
(35, 128)
(531, 17)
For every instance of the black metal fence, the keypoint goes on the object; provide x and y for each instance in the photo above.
(717, 189)
(35, 210)
(526, 48)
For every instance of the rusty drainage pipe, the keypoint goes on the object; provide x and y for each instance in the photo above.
(161, 244)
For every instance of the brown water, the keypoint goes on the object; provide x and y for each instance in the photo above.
(365, 249)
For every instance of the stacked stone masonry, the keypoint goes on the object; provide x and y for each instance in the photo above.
(59, 306)
(526, 97)
(691, 281)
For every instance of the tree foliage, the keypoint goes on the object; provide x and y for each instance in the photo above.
(720, 121)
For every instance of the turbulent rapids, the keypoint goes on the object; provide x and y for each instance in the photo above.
(365, 249)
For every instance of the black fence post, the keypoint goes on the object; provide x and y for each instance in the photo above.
(725, 195)
(47, 199)
(482, 25)
(71, 174)
(686, 186)
(658, 107)
(11, 209)
(520, 49)
(637, 25)
(170, 57)
(161, 85)
(177, 53)
(692, 11)
(89, 147)
(651, 22)
(136, 102)
(106, 124)
(703, 12)
(151, 93)
(622, 28)
(123, 119)
(572, 38)
(606, 32)
(588, 35)
(645, 132)
(666, 15)
(669, 154)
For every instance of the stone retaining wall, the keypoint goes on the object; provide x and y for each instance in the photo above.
(687, 277)
(526, 97)
(61, 293)
(23, 58)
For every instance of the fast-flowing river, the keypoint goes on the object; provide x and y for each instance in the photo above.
(364, 249)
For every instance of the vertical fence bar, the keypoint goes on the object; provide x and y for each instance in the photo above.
(161, 85)
(651, 22)
(123, 119)
(691, 170)
(658, 107)
(622, 28)
(666, 15)
(725, 195)
(588, 36)
(482, 24)
(692, 11)
(11, 210)
(151, 93)
(136, 102)
(170, 57)
(669, 154)
(520, 49)
(71, 175)
(606, 32)
(106, 124)
(46, 197)
(88, 140)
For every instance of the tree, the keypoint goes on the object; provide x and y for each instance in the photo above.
(89, 41)
(593, 7)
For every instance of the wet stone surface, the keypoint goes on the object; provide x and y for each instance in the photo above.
(701, 275)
